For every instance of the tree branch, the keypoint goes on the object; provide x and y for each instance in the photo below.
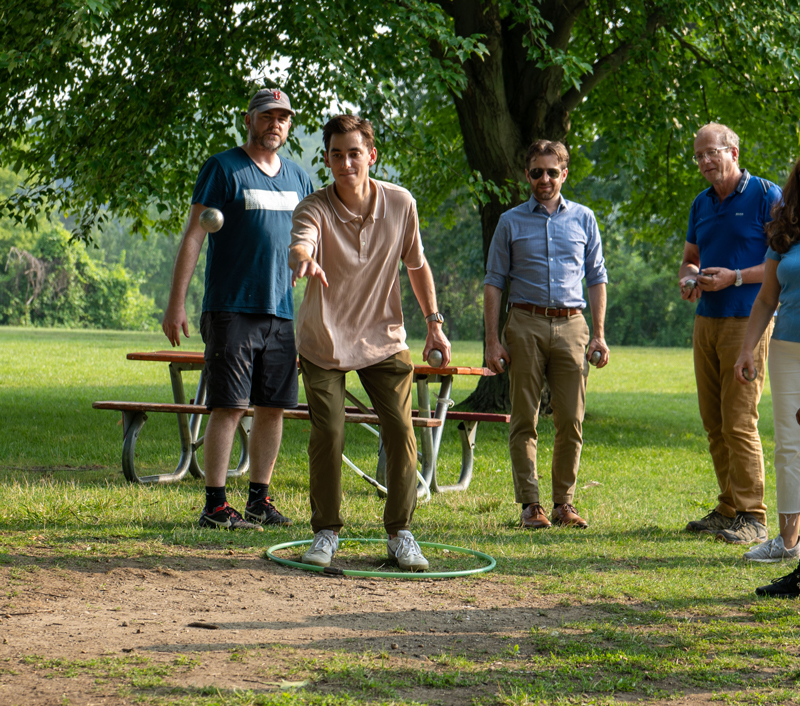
(609, 63)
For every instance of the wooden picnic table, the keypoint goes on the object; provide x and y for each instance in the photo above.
(429, 420)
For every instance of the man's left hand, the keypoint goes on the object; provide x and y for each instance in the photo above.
(436, 340)
(713, 279)
(599, 344)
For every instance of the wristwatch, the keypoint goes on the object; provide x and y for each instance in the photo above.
(435, 317)
(738, 278)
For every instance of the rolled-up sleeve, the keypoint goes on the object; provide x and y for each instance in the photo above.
(594, 262)
(498, 264)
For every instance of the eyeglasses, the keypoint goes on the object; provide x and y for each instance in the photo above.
(538, 173)
(708, 154)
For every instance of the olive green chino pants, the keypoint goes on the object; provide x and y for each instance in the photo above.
(388, 385)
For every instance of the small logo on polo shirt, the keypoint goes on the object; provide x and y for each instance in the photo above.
(739, 214)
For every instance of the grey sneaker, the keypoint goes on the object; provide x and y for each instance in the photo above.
(406, 552)
(773, 551)
(322, 549)
(744, 530)
(712, 523)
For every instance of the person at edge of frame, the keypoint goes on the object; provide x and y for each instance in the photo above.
(724, 255)
(781, 286)
(348, 239)
(544, 248)
(247, 319)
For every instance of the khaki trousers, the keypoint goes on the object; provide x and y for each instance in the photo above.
(553, 349)
(729, 411)
(388, 385)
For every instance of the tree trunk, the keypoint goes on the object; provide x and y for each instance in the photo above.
(501, 111)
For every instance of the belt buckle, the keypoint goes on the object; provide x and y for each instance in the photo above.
(548, 309)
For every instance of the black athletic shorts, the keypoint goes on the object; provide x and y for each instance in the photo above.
(250, 359)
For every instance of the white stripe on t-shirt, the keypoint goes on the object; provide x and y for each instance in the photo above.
(261, 200)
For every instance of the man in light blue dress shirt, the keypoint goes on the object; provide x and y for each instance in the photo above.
(544, 248)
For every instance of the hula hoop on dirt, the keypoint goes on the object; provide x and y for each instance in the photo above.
(332, 571)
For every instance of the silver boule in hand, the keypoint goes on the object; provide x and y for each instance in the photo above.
(746, 374)
(435, 358)
(595, 359)
(211, 220)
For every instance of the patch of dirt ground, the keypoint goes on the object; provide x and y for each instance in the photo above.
(236, 621)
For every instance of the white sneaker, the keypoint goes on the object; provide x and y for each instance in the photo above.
(406, 552)
(322, 549)
(772, 551)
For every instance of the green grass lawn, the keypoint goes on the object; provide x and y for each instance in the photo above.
(670, 605)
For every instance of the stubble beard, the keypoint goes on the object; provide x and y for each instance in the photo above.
(264, 140)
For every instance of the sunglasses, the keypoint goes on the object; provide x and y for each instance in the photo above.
(538, 173)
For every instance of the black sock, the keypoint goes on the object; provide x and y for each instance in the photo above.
(557, 505)
(525, 506)
(259, 492)
(215, 497)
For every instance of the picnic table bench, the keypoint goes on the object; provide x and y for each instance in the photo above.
(189, 415)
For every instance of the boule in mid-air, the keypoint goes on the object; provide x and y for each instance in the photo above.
(211, 220)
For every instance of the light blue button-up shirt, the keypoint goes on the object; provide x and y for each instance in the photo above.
(546, 256)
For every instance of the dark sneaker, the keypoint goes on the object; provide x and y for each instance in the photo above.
(744, 530)
(784, 587)
(225, 517)
(265, 513)
(712, 523)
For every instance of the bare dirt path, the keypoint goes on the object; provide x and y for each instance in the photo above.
(96, 631)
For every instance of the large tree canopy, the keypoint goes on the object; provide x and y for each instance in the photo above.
(114, 105)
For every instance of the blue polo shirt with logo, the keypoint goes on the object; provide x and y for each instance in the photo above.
(731, 234)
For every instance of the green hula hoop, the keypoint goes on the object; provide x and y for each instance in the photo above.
(331, 571)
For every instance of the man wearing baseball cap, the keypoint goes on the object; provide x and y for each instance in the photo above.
(250, 355)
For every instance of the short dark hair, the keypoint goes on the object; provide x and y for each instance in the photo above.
(541, 147)
(342, 124)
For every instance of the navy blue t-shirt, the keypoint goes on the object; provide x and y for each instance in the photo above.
(247, 267)
(731, 235)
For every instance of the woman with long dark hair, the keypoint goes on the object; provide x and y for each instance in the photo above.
(781, 286)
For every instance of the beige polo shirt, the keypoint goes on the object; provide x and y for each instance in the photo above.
(357, 320)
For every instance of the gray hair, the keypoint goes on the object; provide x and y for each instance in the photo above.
(727, 136)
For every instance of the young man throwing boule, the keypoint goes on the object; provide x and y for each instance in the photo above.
(349, 240)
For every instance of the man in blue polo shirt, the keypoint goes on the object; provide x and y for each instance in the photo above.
(544, 248)
(250, 354)
(724, 255)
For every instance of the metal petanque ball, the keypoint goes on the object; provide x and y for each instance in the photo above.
(211, 220)
(690, 284)
(435, 358)
(595, 359)
(746, 374)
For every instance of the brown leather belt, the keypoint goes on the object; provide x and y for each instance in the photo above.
(550, 312)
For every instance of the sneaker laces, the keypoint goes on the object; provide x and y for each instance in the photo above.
(323, 538)
(407, 547)
(793, 578)
(739, 522)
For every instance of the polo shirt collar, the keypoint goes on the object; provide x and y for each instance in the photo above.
(345, 215)
(744, 180)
